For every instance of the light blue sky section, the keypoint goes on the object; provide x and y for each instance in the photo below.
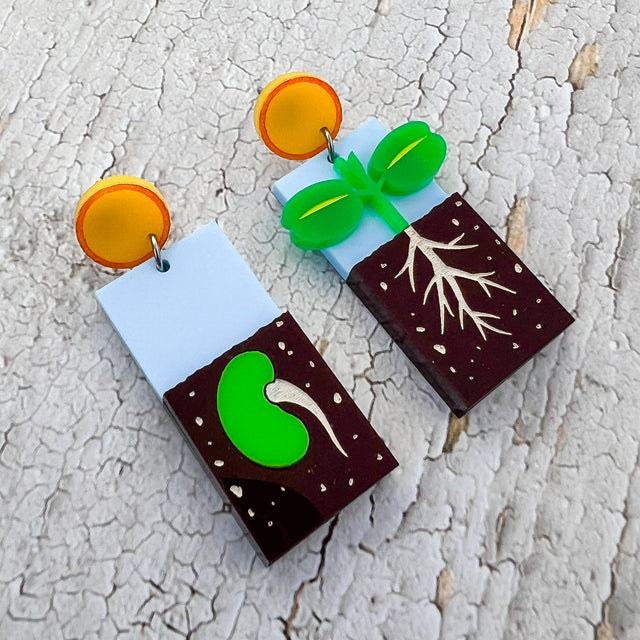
(372, 232)
(176, 322)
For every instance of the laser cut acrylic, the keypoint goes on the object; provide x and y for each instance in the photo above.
(269, 421)
(453, 296)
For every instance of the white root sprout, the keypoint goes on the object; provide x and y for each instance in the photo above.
(443, 273)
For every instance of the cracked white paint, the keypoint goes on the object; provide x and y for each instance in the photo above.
(110, 529)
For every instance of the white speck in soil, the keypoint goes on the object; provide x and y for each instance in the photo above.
(355, 436)
(472, 360)
(322, 488)
(236, 490)
(458, 203)
(420, 329)
(351, 482)
(251, 513)
(538, 326)
(413, 314)
(290, 352)
(515, 312)
(383, 265)
(193, 393)
(279, 323)
(281, 346)
(470, 377)
(456, 222)
(479, 348)
(518, 268)
(218, 463)
(199, 421)
(440, 348)
(270, 523)
(273, 504)
(282, 489)
(312, 363)
(307, 385)
(538, 301)
(452, 370)
(337, 398)
(489, 258)
(516, 345)
(383, 286)
(476, 227)
(379, 456)
(497, 241)
(209, 443)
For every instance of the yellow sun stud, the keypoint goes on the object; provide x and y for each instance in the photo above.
(115, 218)
(292, 110)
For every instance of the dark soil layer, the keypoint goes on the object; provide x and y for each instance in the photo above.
(462, 363)
(280, 507)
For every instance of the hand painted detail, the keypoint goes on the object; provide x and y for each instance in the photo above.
(445, 274)
(247, 402)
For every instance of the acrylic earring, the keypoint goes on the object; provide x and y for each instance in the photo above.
(280, 437)
(449, 291)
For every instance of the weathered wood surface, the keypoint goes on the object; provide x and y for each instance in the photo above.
(522, 522)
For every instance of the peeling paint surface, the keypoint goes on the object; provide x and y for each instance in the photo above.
(527, 526)
(585, 64)
(517, 226)
(525, 16)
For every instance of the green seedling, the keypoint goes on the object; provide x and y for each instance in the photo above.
(328, 212)
(404, 162)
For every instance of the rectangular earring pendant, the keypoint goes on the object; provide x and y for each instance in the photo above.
(273, 427)
(449, 291)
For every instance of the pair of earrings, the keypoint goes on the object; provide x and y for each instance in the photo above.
(277, 433)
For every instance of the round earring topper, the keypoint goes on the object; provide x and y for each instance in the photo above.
(115, 219)
(291, 112)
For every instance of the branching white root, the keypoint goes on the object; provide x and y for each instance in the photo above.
(443, 273)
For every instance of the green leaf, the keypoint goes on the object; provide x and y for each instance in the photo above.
(353, 172)
(323, 214)
(407, 158)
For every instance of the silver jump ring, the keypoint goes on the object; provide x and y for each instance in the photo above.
(161, 265)
(331, 156)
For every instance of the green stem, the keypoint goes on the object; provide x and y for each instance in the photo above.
(354, 173)
(388, 213)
